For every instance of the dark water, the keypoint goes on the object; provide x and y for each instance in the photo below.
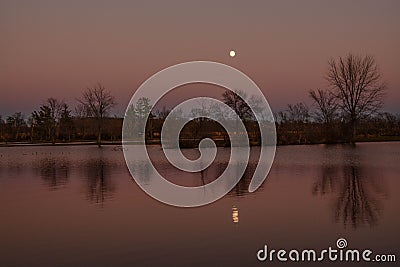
(78, 206)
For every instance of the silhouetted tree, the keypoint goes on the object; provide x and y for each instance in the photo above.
(81, 111)
(47, 119)
(326, 110)
(217, 110)
(298, 112)
(197, 124)
(294, 124)
(55, 108)
(135, 119)
(282, 117)
(356, 83)
(15, 125)
(142, 108)
(42, 123)
(391, 123)
(98, 102)
(66, 122)
(238, 104)
(131, 122)
(327, 106)
(80, 114)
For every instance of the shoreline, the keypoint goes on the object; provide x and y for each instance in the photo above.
(157, 142)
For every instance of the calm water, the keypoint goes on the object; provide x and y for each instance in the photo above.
(78, 206)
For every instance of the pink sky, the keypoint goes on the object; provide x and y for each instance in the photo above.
(57, 48)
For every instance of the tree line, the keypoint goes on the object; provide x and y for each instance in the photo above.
(55, 121)
(349, 109)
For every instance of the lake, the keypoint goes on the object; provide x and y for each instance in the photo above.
(79, 206)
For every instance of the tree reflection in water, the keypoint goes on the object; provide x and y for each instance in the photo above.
(357, 193)
(54, 172)
(358, 201)
(327, 182)
(99, 185)
(242, 187)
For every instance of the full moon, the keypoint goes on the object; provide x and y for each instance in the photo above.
(232, 53)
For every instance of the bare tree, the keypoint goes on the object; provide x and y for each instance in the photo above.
(46, 121)
(98, 102)
(281, 117)
(293, 122)
(356, 83)
(55, 108)
(327, 106)
(66, 123)
(238, 104)
(80, 111)
(199, 114)
(14, 126)
(143, 109)
(298, 113)
(326, 110)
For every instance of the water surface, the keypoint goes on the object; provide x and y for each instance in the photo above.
(78, 206)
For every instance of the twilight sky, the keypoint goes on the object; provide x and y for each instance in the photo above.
(56, 48)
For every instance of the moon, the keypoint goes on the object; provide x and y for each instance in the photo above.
(232, 53)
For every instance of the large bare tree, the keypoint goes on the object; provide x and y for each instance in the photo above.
(357, 85)
(98, 102)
